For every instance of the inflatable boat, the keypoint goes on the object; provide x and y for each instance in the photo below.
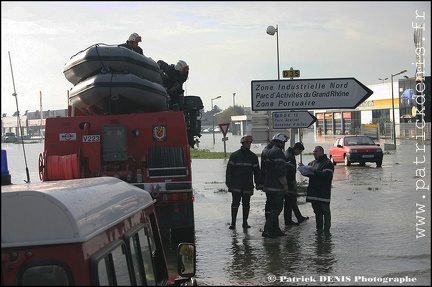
(118, 93)
(110, 58)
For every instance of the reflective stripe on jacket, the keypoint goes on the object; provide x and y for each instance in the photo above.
(242, 170)
(276, 168)
(319, 188)
(264, 159)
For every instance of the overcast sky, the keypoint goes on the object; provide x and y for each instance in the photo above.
(224, 43)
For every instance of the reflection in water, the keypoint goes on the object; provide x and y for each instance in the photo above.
(292, 251)
(244, 259)
(273, 258)
(324, 259)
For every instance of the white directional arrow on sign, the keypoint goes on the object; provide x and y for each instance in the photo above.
(292, 119)
(308, 94)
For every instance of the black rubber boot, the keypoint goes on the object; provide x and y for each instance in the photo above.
(245, 217)
(234, 211)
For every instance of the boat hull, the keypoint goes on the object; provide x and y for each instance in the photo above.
(118, 93)
(110, 58)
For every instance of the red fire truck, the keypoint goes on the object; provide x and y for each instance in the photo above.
(148, 150)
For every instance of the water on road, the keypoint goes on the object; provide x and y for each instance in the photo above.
(380, 232)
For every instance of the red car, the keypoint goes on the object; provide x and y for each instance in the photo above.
(356, 149)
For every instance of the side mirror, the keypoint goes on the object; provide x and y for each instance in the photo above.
(186, 259)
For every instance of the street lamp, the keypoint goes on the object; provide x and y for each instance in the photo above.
(383, 79)
(233, 104)
(233, 129)
(271, 31)
(214, 141)
(393, 108)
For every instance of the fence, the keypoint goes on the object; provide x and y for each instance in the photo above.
(407, 131)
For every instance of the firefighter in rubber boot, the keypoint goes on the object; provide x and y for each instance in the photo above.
(241, 173)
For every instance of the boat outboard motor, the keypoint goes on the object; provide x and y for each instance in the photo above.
(192, 107)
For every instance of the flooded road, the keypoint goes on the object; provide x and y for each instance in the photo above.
(380, 231)
(380, 227)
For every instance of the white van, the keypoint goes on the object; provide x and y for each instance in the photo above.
(94, 231)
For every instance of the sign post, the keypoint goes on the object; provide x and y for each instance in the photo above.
(224, 128)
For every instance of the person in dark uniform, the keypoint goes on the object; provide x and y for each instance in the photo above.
(132, 43)
(290, 204)
(173, 78)
(275, 186)
(241, 173)
(264, 172)
(319, 188)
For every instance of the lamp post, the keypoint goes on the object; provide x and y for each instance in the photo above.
(233, 126)
(271, 30)
(233, 104)
(393, 108)
(214, 141)
(383, 80)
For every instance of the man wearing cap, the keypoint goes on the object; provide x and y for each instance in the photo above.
(241, 173)
(264, 154)
(173, 77)
(132, 43)
(275, 186)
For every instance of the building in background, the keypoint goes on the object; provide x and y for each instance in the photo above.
(377, 109)
(31, 124)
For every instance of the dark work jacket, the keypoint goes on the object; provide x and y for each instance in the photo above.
(264, 154)
(319, 188)
(137, 49)
(291, 164)
(291, 169)
(173, 79)
(242, 170)
(276, 169)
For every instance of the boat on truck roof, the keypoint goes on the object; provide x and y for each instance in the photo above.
(118, 93)
(94, 231)
(110, 58)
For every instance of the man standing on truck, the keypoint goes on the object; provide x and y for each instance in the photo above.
(132, 43)
(173, 78)
(241, 172)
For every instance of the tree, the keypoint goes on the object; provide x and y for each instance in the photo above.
(225, 116)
